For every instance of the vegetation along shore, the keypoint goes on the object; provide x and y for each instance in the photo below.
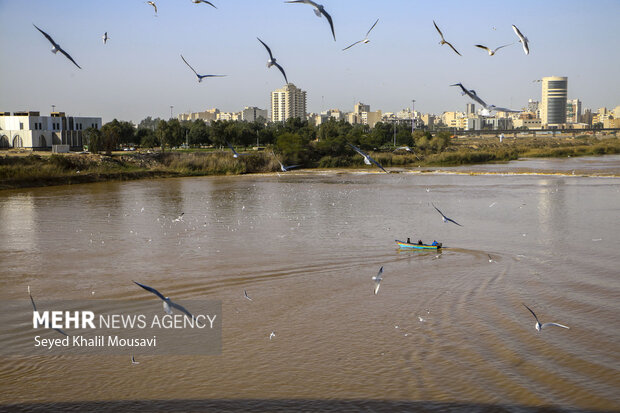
(293, 142)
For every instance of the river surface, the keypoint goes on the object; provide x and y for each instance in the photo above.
(446, 330)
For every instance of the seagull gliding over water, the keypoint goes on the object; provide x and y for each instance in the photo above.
(168, 303)
(540, 326)
(443, 41)
(445, 218)
(377, 279)
(318, 10)
(35, 309)
(245, 294)
(272, 60)
(55, 46)
(365, 40)
(367, 159)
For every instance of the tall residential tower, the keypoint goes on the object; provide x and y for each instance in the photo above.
(288, 102)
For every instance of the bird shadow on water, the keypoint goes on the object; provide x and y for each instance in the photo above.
(278, 405)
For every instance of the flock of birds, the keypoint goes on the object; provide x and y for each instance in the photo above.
(320, 11)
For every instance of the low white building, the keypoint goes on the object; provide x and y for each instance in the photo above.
(30, 130)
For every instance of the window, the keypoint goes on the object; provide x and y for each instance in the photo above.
(21, 125)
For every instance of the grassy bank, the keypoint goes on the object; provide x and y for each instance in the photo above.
(37, 169)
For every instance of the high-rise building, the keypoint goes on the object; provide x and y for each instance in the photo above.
(573, 110)
(553, 105)
(470, 109)
(288, 102)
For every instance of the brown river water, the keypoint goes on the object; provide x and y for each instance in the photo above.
(446, 331)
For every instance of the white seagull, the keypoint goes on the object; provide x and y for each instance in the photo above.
(245, 294)
(445, 218)
(286, 168)
(492, 51)
(272, 60)
(200, 77)
(377, 279)
(318, 10)
(203, 1)
(152, 3)
(133, 360)
(365, 40)
(524, 41)
(471, 93)
(367, 159)
(105, 37)
(443, 41)
(235, 153)
(168, 303)
(540, 326)
(272, 335)
(35, 309)
(179, 218)
(56, 47)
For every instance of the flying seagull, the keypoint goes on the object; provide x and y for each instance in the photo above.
(245, 294)
(56, 47)
(200, 77)
(203, 1)
(286, 168)
(443, 41)
(524, 41)
(445, 218)
(105, 37)
(235, 153)
(35, 309)
(272, 60)
(377, 279)
(492, 51)
(367, 159)
(539, 326)
(272, 335)
(365, 40)
(133, 360)
(318, 10)
(167, 301)
(152, 3)
(471, 93)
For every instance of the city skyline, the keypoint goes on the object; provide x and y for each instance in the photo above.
(139, 73)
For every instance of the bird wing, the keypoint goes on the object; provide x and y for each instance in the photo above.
(358, 150)
(475, 97)
(377, 286)
(65, 334)
(373, 26)
(534, 314)
(526, 48)
(181, 308)
(152, 290)
(348, 47)
(553, 324)
(203, 76)
(378, 164)
(506, 45)
(461, 86)
(47, 36)
(152, 4)
(452, 47)
(266, 47)
(453, 221)
(209, 3)
(67, 56)
(331, 23)
(438, 210)
(188, 65)
(291, 166)
(231, 148)
(483, 47)
(440, 33)
(281, 70)
(518, 32)
(32, 300)
(500, 109)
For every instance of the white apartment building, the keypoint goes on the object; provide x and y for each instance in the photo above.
(30, 130)
(288, 102)
(553, 105)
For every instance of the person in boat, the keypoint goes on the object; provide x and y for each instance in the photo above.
(420, 242)
(435, 243)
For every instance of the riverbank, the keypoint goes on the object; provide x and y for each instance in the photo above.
(33, 169)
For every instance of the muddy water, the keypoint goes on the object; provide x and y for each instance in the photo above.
(446, 330)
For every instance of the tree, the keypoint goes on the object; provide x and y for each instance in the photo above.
(292, 147)
(147, 138)
(198, 133)
(163, 134)
(93, 139)
(111, 134)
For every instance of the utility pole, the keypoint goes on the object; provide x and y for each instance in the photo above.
(171, 111)
(412, 116)
(395, 132)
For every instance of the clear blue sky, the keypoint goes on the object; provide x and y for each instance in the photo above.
(139, 72)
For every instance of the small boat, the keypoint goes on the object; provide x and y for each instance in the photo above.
(404, 244)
